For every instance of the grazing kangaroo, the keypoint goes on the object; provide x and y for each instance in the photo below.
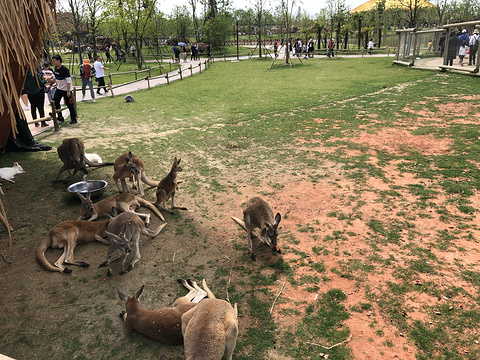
(72, 154)
(167, 187)
(210, 330)
(124, 202)
(259, 214)
(130, 166)
(165, 324)
(122, 231)
(67, 235)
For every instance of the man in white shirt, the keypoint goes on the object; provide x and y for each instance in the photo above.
(100, 74)
(473, 44)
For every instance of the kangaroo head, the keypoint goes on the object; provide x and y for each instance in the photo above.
(176, 165)
(130, 165)
(118, 243)
(88, 210)
(270, 232)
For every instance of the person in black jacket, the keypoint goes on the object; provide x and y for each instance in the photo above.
(34, 87)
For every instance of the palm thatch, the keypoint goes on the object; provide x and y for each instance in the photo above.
(23, 25)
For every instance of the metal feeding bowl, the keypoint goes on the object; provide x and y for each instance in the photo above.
(94, 187)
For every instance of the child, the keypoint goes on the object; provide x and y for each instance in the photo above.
(462, 51)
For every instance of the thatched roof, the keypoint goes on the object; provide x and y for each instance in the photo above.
(23, 25)
(389, 4)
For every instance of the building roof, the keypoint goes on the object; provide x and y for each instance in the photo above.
(370, 4)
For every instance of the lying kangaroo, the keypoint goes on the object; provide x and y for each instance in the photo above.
(167, 187)
(259, 214)
(124, 202)
(164, 324)
(122, 231)
(67, 235)
(210, 330)
(72, 154)
(130, 166)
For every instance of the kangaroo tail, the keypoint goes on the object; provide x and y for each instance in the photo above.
(150, 206)
(94, 164)
(153, 233)
(42, 247)
(147, 181)
(239, 222)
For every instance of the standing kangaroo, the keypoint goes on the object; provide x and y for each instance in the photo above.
(130, 166)
(123, 202)
(165, 324)
(66, 236)
(259, 214)
(122, 231)
(72, 154)
(167, 187)
(210, 329)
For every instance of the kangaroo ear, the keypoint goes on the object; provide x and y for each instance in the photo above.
(278, 218)
(178, 162)
(139, 292)
(130, 155)
(121, 295)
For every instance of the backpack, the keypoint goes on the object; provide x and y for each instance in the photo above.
(86, 71)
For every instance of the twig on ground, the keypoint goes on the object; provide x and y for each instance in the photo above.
(174, 256)
(230, 278)
(271, 309)
(4, 258)
(330, 347)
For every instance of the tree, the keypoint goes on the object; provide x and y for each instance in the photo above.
(93, 21)
(286, 10)
(259, 22)
(181, 23)
(412, 10)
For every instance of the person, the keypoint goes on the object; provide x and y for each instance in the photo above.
(331, 46)
(208, 51)
(462, 51)
(452, 48)
(89, 52)
(193, 56)
(275, 48)
(87, 73)
(441, 44)
(184, 53)
(429, 46)
(64, 86)
(51, 84)
(99, 70)
(370, 46)
(463, 37)
(108, 55)
(176, 53)
(473, 44)
(36, 95)
(132, 50)
(311, 48)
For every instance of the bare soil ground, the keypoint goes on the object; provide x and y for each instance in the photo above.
(53, 315)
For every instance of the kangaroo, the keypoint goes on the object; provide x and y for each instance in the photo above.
(121, 203)
(259, 214)
(164, 324)
(67, 235)
(210, 330)
(122, 231)
(8, 173)
(72, 154)
(167, 187)
(130, 166)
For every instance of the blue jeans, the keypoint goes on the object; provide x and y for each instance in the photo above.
(88, 82)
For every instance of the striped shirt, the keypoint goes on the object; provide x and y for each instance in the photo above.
(63, 78)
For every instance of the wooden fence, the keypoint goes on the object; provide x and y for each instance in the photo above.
(169, 76)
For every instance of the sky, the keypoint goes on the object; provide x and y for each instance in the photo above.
(312, 7)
